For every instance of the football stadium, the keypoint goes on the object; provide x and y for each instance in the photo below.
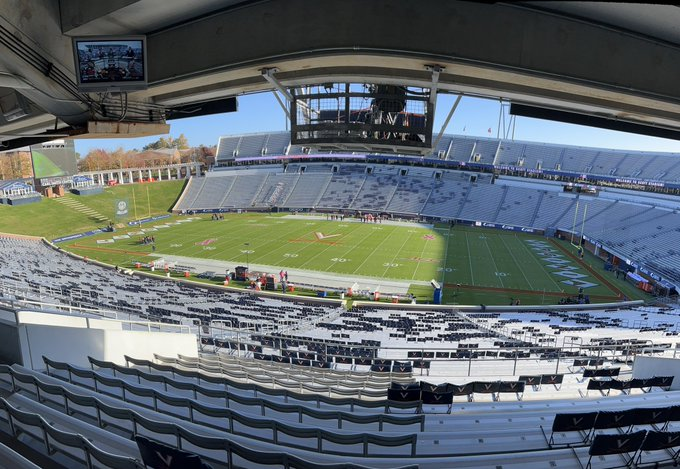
(365, 289)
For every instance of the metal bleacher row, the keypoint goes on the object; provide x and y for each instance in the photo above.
(641, 231)
(529, 155)
(238, 424)
(34, 270)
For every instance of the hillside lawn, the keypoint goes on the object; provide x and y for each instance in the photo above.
(51, 218)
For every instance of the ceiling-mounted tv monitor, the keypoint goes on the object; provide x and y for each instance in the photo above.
(110, 63)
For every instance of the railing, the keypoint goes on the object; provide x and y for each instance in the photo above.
(17, 306)
(558, 357)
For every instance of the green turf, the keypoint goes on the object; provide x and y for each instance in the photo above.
(51, 219)
(492, 267)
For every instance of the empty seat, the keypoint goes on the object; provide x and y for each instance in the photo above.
(577, 422)
(616, 444)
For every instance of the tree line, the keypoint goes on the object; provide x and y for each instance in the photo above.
(180, 152)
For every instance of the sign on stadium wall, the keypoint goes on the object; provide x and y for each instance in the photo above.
(76, 236)
(500, 226)
(147, 220)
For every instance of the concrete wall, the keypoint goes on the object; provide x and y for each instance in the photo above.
(74, 344)
(48, 319)
(10, 350)
(648, 367)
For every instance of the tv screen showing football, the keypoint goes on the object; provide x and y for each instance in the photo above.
(110, 64)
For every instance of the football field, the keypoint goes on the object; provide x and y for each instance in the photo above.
(475, 265)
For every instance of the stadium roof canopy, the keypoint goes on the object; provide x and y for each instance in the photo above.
(612, 61)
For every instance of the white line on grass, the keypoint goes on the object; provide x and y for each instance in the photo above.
(384, 275)
(516, 262)
(467, 242)
(422, 252)
(446, 254)
(500, 279)
(375, 249)
(326, 249)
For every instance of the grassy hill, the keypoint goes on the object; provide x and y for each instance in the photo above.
(51, 219)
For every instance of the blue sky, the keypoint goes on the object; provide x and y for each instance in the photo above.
(474, 116)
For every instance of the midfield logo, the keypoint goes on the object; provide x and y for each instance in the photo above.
(321, 236)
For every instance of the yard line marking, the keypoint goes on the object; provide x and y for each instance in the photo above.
(326, 249)
(384, 275)
(517, 263)
(500, 279)
(446, 254)
(422, 252)
(375, 249)
(467, 242)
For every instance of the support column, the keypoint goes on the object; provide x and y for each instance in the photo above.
(160, 175)
(187, 168)
(121, 179)
(169, 175)
(150, 176)
(140, 175)
(111, 178)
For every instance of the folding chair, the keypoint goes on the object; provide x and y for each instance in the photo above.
(553, 379)
(436, 398)
(616, 444)
(655, 441)
(580, 422)
(597, 385)
(425, 386)
(487, 388)
(650, 416)
(409, 395)
(673, 416)
(462, 390)
(405, 386)
(423, 365)
(533, 381)
(620, 419)
(511, 386)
